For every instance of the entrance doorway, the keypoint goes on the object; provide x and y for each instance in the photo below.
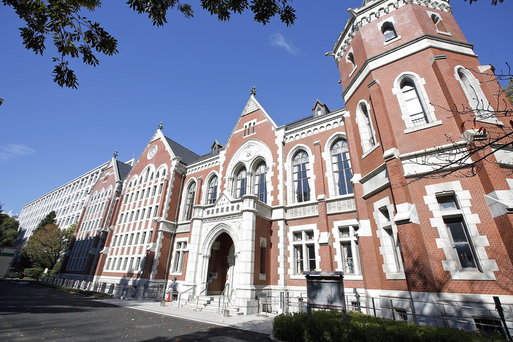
(220, 265)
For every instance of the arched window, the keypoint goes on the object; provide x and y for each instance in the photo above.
(300, 164)
(261, 182)
(212, 190)
(240, 186)
(341, 167)
(158, 175)
(413, 103)
(475, 96)
(388, 31)
(440, 27)
(147, 175)
(189, 201)
(351, 64)
(365, 127)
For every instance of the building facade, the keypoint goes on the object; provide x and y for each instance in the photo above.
(67, 201)
(364, 190)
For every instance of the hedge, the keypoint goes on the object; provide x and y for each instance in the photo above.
(327, 326)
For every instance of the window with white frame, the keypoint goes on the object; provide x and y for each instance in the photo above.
(241, 183)
(475, 96)
(261, 182)
(439, 24)
(212, 190)
(341, 167)
(350, 62)
(179, 256)
(413, 101)
(388, 31)
(304, 251)
(349, 254)
(414, 106)
(387, 233)
(189, 201)
(300, 167)
(368, 140)
(458, 232)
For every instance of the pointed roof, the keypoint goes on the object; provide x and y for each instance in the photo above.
(123, 169)
(187, 156)
(251, 106)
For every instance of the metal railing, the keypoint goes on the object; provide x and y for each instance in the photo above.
(181, 293)
(223, 295)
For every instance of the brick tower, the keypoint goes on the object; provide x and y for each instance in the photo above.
(415, 96)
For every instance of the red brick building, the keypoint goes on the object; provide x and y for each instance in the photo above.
(252, 215)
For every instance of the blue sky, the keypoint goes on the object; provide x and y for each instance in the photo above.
(194, 75)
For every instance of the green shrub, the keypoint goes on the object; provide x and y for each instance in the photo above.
(290, 327)
(33, 273)
(327, 326)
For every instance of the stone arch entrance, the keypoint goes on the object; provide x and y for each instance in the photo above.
(221, 264)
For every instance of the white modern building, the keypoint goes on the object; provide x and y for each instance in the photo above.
(67, 201)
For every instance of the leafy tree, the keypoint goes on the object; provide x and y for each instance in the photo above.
(8, 230)
(48, 245)
(75, 36)
(49, 219)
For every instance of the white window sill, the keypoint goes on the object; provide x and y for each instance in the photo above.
(393, 40)
(444, 33)
(420, 128)
(370, 151)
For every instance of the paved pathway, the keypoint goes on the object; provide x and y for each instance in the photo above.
(257, 323)
(34, 313)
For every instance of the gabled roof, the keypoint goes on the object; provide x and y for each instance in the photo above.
(186, 155)
(123, 169)
(251, 106)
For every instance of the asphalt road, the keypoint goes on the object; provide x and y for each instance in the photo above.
(33, 313)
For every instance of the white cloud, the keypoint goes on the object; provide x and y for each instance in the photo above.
(278, 40)
(15, 150)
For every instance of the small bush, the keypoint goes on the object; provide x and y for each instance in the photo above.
(33, 273)
(327, 326)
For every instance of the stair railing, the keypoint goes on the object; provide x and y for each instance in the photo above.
(197, 297)
(223, 295)
(181, 293)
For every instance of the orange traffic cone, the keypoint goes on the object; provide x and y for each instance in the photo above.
(168, 298)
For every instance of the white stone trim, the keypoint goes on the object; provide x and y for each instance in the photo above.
(479, 242)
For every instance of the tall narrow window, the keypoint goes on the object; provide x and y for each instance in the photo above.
(261, 183)
(351, 65)
(304, 251)
(341, 167)
(413, 103)
(365, 128)
(300, 165)
(180, 250)
(349, 250)
(189, 202)
(212, 190)
(240, 189)
(263, 245)
(458, 232)
(475, 96)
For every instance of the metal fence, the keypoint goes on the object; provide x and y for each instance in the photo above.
(117, 290)
(456, 315)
